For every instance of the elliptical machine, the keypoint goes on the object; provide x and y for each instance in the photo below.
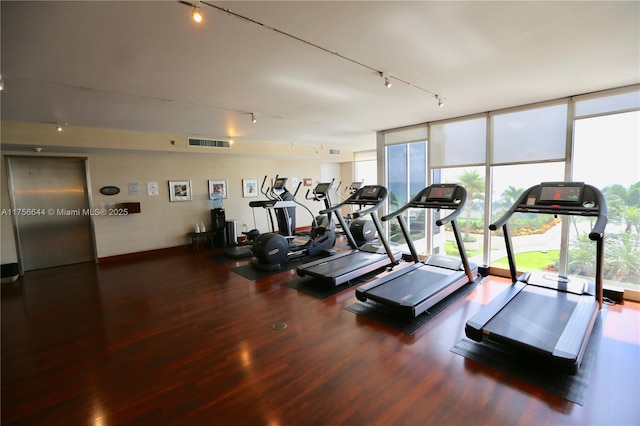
(271, 250)
(273, 195)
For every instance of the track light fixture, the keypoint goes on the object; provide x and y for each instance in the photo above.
(387, 81)
(1, 83)
(60, 126)
(253, 118)
(197, 15)
(440, 101)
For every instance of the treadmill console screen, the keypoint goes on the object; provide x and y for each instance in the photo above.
(322, 188)
(370, 192)
(561, 194)
(442, 193)
(280, 183)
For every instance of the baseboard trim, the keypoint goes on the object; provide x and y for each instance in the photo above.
(143, 254)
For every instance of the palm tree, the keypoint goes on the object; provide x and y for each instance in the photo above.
(624, 205)
(511, 194)
(507, 199)
(622, 257)
(474, 184)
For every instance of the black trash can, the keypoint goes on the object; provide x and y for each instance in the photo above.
(232, 233)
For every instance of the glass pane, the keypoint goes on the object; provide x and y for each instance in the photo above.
(417, 167)
(620, 183)
(397, 176)
(531, 135)
(535, 237)
(471, 223)
(608, 104)
(458, 143)
(417, 182)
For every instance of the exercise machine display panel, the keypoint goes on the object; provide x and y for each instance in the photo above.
(561, 193)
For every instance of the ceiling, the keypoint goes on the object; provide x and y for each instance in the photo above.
(308, 70)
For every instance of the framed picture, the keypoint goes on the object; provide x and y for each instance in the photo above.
(180, 190)
(217, 189)
(249, 188)
(308, 181)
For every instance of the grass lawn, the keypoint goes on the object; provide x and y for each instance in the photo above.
(531, 260)
(451, 248)
(527, 261)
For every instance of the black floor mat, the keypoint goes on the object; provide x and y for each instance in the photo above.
(388, 316)
(513, 363)
(250, 272)
(321, 290)
(239, 252)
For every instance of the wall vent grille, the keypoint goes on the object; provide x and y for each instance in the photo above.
(334, 152)
(208, 143)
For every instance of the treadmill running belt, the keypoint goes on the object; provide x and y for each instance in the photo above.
(337, 266)
(414, 286)
(535, 317)
(528, 369)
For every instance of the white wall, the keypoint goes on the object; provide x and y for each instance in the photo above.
(161, 223)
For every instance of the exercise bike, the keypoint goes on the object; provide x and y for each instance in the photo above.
(272, 249)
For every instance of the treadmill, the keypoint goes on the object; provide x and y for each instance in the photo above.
(543, 313)
(347, 265)
(413, 290)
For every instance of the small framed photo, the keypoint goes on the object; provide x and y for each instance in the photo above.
(249, 188)
(180, 190)
(308, 181)
(217, 189)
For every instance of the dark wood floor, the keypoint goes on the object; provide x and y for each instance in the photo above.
(180, 339)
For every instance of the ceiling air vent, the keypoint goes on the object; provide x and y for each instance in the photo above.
(334, 151)
(208, 143)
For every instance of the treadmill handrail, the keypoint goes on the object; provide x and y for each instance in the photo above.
(420, 201)
(599, 209)
(364, 212)
(458, 207)
(375, 205)
(354, 199)
(505, 217)
(597, 232)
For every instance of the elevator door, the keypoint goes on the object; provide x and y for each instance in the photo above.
(50, 200)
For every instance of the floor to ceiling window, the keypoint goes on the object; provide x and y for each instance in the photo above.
(397, 175)
(529, 147)
(607, 155)
(407, 176)
(457, 155)
(497, 156)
